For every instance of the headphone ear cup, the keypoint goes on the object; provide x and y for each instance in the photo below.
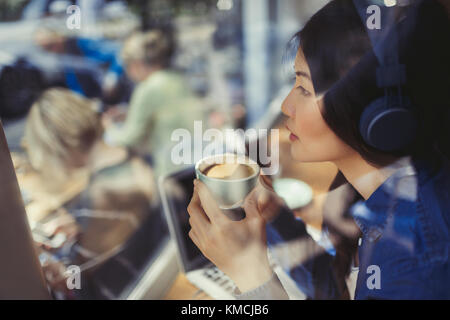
(388, 126)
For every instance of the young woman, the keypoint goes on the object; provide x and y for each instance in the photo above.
(404, 220)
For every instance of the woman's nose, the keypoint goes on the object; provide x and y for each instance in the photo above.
(287, 107)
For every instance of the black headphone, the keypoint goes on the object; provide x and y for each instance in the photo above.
(387, 123)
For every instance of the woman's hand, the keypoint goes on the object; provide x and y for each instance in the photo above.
(113, 115)
(269, 204)
(238, 248)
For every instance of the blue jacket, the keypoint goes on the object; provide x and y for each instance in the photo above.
(103, 54)
(405, 244)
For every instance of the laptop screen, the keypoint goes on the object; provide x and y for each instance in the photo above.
(176, 192)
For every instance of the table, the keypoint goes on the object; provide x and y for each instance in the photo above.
(182, 289)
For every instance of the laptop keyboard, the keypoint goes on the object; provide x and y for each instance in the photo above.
(219, 278)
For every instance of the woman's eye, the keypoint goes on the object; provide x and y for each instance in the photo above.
(305, 92)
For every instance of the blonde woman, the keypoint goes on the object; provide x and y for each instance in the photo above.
(160, 103)
(63, 135)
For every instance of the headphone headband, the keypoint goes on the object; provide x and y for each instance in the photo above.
(387, 123)
(384, 41)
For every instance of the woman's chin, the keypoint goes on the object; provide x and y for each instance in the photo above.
(298, 154)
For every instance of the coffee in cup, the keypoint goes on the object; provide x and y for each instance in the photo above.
(230, 178)
(229, 171)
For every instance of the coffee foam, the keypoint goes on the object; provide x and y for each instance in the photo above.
(229, 171)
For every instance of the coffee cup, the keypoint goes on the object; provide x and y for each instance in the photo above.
(230, 178)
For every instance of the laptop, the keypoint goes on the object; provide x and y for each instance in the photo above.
(176, 191)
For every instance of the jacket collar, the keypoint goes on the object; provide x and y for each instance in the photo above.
(372, 215)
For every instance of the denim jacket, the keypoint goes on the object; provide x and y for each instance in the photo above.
(405, 225)
(403, 252)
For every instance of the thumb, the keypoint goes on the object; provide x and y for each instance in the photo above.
(251, 204)
(263, 203)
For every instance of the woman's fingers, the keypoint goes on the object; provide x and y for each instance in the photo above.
(198, 219)
(208, 203)
(194, 237)
(195, 208)
(196, 240)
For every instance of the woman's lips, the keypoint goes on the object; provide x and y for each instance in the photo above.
(292, 136)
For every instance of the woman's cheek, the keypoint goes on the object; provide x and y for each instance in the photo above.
(315, 139)
(317, 142)
(310, 123)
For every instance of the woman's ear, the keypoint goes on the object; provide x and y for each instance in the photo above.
(321, 103)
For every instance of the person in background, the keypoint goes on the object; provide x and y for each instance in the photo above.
(161, 102)
(102, 52)
(63, 136)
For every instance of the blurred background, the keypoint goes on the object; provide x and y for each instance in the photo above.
(104, 97)
(229, 51)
